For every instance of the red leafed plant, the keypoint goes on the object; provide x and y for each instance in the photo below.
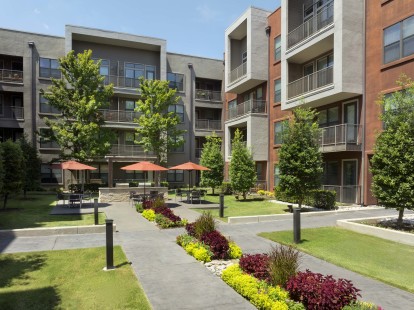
(168, 213)
(219, 245)
(190, 228)
(256, 265)
(317, 291)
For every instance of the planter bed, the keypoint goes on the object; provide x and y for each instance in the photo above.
(157, 211)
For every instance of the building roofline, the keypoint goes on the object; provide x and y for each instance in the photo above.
(244, 12)
(35, 33)
(194, 56)
(276, 10)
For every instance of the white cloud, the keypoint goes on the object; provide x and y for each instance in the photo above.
(36, 11)
(46, 26)
(206, 13)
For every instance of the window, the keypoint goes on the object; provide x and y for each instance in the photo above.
(101, 173)
(331, 173)
(132, 74)
(49, 68)
(104, 70)
(150, 72)
(179, 149)
(276, 175)
(328, 117)
(232, 104)
(175, 176)
(176, 80)
(279, 128)
(45, 141)
(277, 49)
(1, 105)
(130, 105)
(325, 62)
(244, 57)
(130, 138)
(50, 173)
(278, 91)
(178, 109)
(399, 40)
(45, 107)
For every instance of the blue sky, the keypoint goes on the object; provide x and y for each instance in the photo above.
(190, 27)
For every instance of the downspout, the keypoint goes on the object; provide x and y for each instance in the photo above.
(190, 122)
(33, 89)
(363, 160)
(268, 29)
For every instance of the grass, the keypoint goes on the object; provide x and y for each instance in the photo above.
(250, 206)
(70, 279)
(34, 212)
(384, 260)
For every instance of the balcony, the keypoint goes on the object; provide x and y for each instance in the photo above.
(310, 82)
(121, 81)
(345, 193)
(120, 116)
(238, 73)
(129, 151)
(248, 107)
(10, 112)
(208, 124)
(11, 76)
(208, 95)
(343, 137)
(311, 26)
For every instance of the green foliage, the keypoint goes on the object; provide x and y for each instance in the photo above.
(185, 239)
(212, 158)
(300, 161)
(361, 305)
(88, 187)
(79, 96)
(283, 264)
(157, 128)
(323, 199)
(226, 188)
(199, 250)
(1, 169)
(149, 214)
(139, 207)
(13, 169)
(234, 250)
(392, 164)
(205, 223)
(242, 167)
(32, 162)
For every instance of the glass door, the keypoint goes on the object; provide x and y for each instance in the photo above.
(349, 181)
(351, 121)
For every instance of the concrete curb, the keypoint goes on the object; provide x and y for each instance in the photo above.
(49, 231)
(388, 234)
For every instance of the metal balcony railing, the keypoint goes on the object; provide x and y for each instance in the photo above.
(249, 106)
(11, 76)
(12, 112)
(120, 116)
(208, 124)
(322, 19)
(345, 193)
(238, 72)
(208, 95)
(121, 81)
(129, 150)
(310, 82)
(341, 137)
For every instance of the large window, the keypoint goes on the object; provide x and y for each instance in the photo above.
(50, 174)
(150, 72)
(49, 68)
(278, 53)
(399, 40)
(45, 141)
(278, 91)
(329, 117)
(45, 107)
(175, 176)
(130, 105)
(176, 80)
(276, 175)
(100, 175)
(279, 128)
(179, 149)
(178, 109)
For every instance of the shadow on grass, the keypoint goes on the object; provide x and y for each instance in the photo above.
(16, 268)
(123, 264)
(42, 298)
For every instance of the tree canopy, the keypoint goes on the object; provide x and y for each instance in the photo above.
(32, 162)
(212, 158)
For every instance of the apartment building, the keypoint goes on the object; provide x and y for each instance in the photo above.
(28, 61)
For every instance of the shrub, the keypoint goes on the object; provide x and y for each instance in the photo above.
(139, 207)
(168, 213)
(204, 223)
(261, 192)
(282, 196)
(218, 244)
(323, 199)
(163, 222)
(255, 265)
(158, 202)
(361, 305)
(234, 251)
(226, 188)
(185, 239)
(321, 292)
(283, 264)
(164, 184)
(87, 187)
(190, 228)
(147, 204)
(200, 251)
(149, 215)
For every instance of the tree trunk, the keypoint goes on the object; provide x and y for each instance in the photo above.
(6, 195)
(300, 203)
(400, 216)
(244, 195)
(212, 189)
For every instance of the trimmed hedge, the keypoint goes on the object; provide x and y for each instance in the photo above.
(321, 199)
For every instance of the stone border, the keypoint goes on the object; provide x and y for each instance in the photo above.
(49, 231)
(384, 233)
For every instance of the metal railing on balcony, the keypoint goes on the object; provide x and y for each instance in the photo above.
(238, 72)
(208, 124)
(198, 152)
(12, 112)
(129, 150)
(208, 95)
(323, 18)
(249, 106)
(121, 81)
(341, 137)
(11, 76)
(120, 116)
(310, 82)
(345, 193)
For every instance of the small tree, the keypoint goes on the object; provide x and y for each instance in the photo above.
(213, 158)
(32, 162)
(1, 169)
(79, 96)
(300, 161)
(242, 167)
(392, 164)
(13, 166)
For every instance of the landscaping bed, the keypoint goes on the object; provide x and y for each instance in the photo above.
(158, 212)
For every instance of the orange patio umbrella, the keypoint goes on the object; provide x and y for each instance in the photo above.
(74, 165)
(189, 166)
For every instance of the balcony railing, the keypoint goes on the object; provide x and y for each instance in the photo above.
(198, 152)
(311, 26)
(120, 116)
(343, 137)
(208, 124)
(238, 73)
(249, 106)
(310, 82)
(129, 150)
(345, 193)
(11, 76)
(12, 112)
(121, 81)
(208, 95)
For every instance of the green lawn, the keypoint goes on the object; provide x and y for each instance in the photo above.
(70, 279)
(34, 212)
(384, 260)
(250, 206)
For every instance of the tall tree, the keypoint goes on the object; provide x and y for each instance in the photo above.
(392, 164)
(79, 96)
(32, 162)
(157, 131)
(13, 166)
(1, 169)
(242, 168)
(300, 161)
(212, 158)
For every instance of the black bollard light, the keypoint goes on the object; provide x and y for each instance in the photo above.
(95, 210)
(109, 245)
(221, 210)
(296, 225)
